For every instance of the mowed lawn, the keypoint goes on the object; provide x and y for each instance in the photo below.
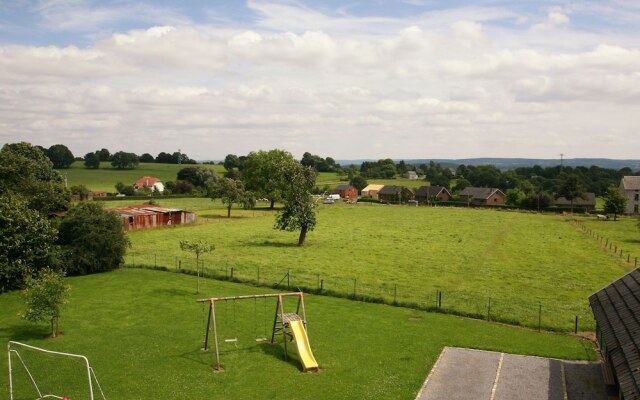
(531, 268)
(142, 331)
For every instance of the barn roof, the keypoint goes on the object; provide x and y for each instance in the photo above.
(630, 182)
(479, 192)
(372, 187)
(617, 310)
(430, 191)
(588, 199)
(344, 187)
(392, 189)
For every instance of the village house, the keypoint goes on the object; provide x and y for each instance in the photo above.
(615, 308)
(154, 184)
(426, 194)
(630, 189)
(587, 201)
(346, 192)
(482, 196)
(395, 194)
(410, 175)
(371, 191)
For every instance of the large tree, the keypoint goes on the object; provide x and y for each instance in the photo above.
(25, 170)
(262, 173)
(26, 241)
(232, 192)
(123, 160)
(299, 208)
(92, 239)
(92, 160)
(198, 176)
(614, 202)
(60, 156)
(570, 188)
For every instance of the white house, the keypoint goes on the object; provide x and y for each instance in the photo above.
(630, 189)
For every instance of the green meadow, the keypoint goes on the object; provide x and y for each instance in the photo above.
(143, 330)
(521, 268)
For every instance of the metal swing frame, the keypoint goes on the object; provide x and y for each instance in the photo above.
(281, 320)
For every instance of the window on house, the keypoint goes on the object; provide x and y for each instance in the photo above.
(637, 197)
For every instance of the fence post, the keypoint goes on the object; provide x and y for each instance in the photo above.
(576, 326)
(321, 284)
(179, 264)
(355, 282)
(440, 300)
(155, 261)
(258, 280)
(489, 310)
(231, 277)
(288, 279)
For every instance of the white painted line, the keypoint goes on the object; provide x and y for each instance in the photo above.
(564, 381)
(424, 385)
(495, 382)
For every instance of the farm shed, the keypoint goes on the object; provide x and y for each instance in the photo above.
(395, 194)
(484, 196)
(630, 189)
(149, 216)
(616, 309)
(429, 193)
(588, 202)
(371, 191)
(346, 192)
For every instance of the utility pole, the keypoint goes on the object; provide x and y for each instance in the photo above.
(561, 161)
(179, 156)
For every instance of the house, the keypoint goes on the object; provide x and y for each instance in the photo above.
(616, 310)
(630, 189)
(346, 192)
(371, 191)
(149, 216)
(425, 194)
(395, 194)
(483, 196)
(410, 175)
(587, 201)
(153, 184)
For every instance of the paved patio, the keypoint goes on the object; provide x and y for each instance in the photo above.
(466, 374)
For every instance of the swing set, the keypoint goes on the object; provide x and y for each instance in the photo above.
(292, 326)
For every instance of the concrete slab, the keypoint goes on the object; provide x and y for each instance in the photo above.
(466, 374)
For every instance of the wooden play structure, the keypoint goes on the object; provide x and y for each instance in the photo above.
(292, 326)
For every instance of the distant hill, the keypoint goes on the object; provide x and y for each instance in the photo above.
(512, 163)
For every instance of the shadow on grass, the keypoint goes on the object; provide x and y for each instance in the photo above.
(174, 292)
(223, 217)
(25, 331)
(268, 243)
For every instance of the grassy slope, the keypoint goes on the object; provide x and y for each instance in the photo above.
(519, 259)
(142, 331)
(624, 233)
(105, 178)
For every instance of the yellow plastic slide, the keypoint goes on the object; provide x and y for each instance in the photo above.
(302, 344)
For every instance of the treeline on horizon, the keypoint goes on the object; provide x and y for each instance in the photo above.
(526, 179)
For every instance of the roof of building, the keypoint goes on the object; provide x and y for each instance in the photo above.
(146, 181)
(344, 187)
(617, 310)
(479, 193)
(372, 187)
(431, 191)
(630, 182)
(392, 189)
(588, 199)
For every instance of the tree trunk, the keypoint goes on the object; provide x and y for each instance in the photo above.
(54, 327)
(273, 202)
(303, 236)
(229, 211)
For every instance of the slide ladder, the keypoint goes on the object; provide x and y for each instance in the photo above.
(299, 334)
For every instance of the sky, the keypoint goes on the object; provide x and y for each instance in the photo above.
(412, 79)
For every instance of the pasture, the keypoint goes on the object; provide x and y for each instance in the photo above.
(522, 268)
(142, 331)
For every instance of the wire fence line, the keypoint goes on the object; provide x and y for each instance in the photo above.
(510, 310)
(608, 244)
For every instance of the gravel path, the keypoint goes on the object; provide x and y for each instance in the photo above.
(466, 374)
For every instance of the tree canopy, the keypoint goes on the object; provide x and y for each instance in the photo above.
(124, 160)
(262, 173)
(25, 170)
(44, 297)
(232, 192)
(92, 160)
(299, 208)
(92, 239)
(614, 202)
(60, 156)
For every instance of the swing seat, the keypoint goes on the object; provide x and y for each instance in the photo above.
(261, 339)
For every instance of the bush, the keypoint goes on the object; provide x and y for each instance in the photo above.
(92, 239)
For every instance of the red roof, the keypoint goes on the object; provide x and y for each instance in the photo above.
(146, 181)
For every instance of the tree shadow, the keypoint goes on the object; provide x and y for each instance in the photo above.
(268, 243)
(223, 217)
(25, 332)
(173, 292)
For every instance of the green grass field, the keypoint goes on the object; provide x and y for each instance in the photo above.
(105, 178)
(522, 261)
(142, 331)
(624, 234)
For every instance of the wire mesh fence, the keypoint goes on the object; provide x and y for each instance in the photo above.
(541, 314)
